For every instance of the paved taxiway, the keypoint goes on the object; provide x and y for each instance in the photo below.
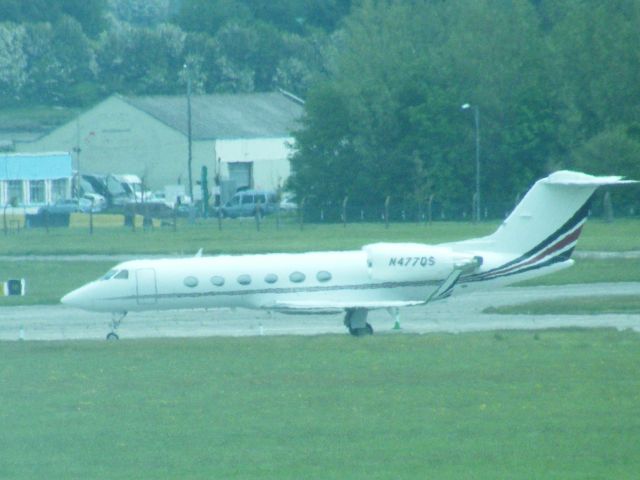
(457, 314)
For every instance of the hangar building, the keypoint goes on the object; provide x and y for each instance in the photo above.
(243, 137)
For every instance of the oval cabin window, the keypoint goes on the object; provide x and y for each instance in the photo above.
(244, 279)
(297, 277)
(217, 281)
(323, 276)
(191, 282)
(271, 278)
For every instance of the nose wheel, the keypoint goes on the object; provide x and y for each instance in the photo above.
(116, 318)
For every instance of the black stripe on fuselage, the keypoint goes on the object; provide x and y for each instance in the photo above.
(562, 257)
(570, 224)
(323, 288)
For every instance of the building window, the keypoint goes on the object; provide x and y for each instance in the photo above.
(271, 278)
(58, 189)
(297, 277)
(217, 280)
(36, 191)
(15, 192)
(191, 282)
(323, 276)
(244, 279)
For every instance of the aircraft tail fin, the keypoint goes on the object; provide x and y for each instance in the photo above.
(548, 220)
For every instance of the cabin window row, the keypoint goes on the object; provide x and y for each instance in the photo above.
(271, 278)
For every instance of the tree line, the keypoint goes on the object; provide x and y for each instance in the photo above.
(75, 52)
(555, 83)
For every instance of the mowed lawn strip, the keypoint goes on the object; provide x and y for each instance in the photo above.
(595, 305)
(241, 236)
(559, 404)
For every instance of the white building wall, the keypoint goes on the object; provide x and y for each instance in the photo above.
(270, 158)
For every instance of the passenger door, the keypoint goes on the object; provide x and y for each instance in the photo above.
(146, 286)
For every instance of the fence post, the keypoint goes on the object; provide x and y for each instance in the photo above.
(257, 215)
(175, 217)
(608, 207)
(476, 212)
(430, 211)
(386, 211)
(344, 211)
(91, 218)
(301, 213)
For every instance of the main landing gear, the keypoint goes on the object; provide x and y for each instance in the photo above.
(356, 321)
(116, 318)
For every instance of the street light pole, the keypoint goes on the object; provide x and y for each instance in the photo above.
(188, 73)
(476, 115)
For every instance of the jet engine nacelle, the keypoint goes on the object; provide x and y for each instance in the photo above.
(413, 261)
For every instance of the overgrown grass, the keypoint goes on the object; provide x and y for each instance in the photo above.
(48, 281)
(592, 271)
(618, 236)
(596, 305)
(241, 236)
(561, 404)
(237, 236)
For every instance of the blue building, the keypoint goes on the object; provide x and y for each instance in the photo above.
(34, 179)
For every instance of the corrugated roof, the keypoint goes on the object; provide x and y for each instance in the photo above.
(251, 115)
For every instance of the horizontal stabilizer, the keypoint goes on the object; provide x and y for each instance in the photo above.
(567, 177)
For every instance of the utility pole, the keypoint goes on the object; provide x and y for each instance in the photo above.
(476, 116)
(189, 159)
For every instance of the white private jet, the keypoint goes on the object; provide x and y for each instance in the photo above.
(537, 238)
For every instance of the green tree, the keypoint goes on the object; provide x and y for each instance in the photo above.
(60, 63)
(139, 60)
(403, 69)
(89, 13)
(598, 60)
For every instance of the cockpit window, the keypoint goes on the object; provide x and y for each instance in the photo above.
(122, 275)
(118, 274)
(109, 274)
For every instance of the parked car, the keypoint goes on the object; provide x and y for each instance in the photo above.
(92, 202)
(65, 205)
(287, 204)
(246, 203)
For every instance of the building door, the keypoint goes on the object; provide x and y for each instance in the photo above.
(241, 173)
(146, 287)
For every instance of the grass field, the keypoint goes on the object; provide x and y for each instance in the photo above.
(596, 305)
(560, 404)
(241, 236)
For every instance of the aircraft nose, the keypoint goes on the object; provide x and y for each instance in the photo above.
(76, 298)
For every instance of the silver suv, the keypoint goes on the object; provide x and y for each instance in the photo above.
(246, 203)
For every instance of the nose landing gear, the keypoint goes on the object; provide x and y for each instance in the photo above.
(116, 318)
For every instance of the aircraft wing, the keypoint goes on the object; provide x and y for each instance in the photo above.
(445, 289)
(332, 305)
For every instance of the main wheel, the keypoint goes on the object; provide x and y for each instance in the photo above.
(362, 331)
(112, 336)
